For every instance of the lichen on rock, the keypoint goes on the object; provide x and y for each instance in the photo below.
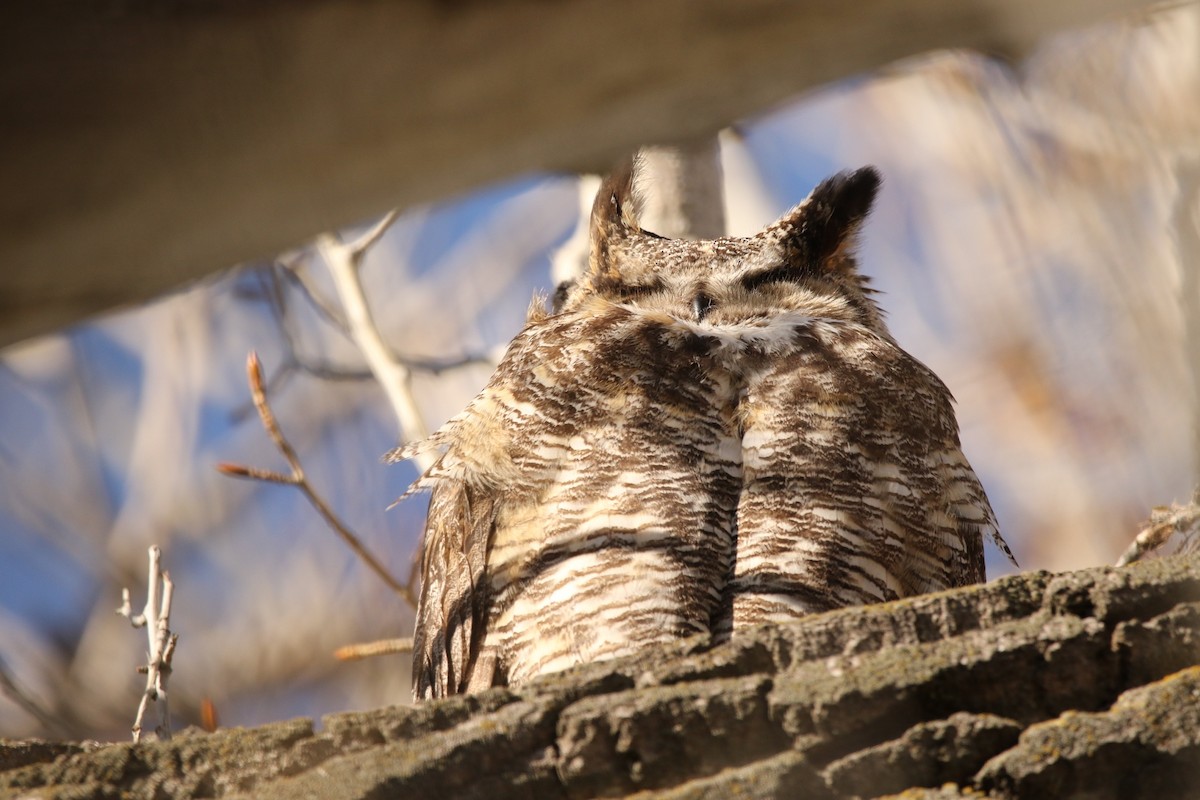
(1037, 685)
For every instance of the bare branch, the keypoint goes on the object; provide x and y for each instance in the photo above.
(241, 471)
(293, 272)
(1165, 522)
(290, 268)
(259, 396)
(344, 260)
(381, 647)
(298, 479)
(156, 618)
(436, 366)
(368, 240)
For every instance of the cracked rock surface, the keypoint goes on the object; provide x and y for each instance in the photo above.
(1082, 684)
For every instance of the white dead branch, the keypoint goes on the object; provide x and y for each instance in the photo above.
(344, 260)
(155, 618)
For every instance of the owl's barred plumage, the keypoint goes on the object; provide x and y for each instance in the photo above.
(701, 437)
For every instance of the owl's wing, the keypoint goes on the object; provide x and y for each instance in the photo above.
(956, 515)
(452, 610)
(855, 488)
(957, 519)
(582, 507)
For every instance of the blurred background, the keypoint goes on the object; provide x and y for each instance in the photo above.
(1037, 243)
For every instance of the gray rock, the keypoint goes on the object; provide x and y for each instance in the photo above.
(1083, 684)
(1146, 745)
(928, 754)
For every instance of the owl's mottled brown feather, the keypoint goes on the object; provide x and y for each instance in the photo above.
(454, 599)
(703, 436)
(855, 489)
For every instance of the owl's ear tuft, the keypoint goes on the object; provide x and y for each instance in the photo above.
(614, 202)
(614, 216)
(825, 226)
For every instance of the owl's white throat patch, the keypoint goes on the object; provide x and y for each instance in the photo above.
(774, 334)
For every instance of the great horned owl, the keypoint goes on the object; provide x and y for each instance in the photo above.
(700, 437)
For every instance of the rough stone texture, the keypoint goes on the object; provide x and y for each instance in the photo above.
(1077, 685)
(928, 754)
(15, 754)
(1146, 745)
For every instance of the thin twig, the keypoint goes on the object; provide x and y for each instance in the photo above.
(381, 647)
(156, 618)
(298, 479)
(330, 371)
(436, 366)
(1164, 523)
(294, 362)
(292, 272)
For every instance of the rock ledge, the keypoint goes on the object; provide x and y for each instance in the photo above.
(1078, 684)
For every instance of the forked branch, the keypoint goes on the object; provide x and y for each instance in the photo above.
(344, 260)
(296, 477)
(156, 619)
